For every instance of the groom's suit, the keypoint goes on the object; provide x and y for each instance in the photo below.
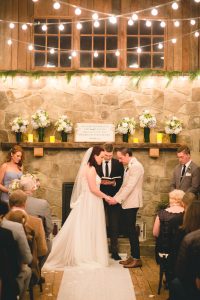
(113, 211)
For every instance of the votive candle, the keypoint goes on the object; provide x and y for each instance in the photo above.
(135, 140)
(52, 138)
(30, 138)
(159, 137)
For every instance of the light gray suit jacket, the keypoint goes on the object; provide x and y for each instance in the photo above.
(40, 207)
(20, 237)
(190, 181)
(130, 193)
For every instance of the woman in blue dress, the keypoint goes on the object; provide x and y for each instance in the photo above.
(10, 170)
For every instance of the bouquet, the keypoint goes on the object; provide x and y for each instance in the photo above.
(64, 124)
(126, 125)
(19, 124)
(173, 125)
(34, 178)
(14, 185)
(147, 119)
(40, 119)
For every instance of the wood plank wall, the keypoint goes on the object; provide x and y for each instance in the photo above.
(183, 56)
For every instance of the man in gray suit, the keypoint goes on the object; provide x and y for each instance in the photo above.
(186, 176)
(130, 197)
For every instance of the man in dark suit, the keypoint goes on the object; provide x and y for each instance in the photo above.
(186, 176)
(111, 168)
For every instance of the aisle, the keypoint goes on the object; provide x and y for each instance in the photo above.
(111, 283)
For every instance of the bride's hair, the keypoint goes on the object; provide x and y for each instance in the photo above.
(96, 151)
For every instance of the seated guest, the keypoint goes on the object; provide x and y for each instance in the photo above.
(37, 207)
(165, 228)
(25, 257)
(17, 201)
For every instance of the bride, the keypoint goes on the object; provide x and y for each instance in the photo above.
(82, 239)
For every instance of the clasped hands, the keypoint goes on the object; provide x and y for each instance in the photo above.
(111, 200)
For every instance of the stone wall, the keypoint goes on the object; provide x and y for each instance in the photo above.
(102, 99)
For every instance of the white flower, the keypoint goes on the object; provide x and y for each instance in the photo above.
(40, 119)
(14, 185)
(147, 119)
(173, 125)
(19, 124)
(126, 125)
(64, 124)
(34, 178)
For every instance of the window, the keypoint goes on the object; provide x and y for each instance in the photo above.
(98, 45)
(145, 45)
(52, 47)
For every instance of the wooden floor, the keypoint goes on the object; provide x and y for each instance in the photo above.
(145, 281)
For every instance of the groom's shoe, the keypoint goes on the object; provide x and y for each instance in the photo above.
(127, 261)
(115, 256)
(136, 263)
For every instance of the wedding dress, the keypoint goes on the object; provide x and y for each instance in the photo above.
(82, 239)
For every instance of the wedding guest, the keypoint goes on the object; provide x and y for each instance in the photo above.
(188, 198)
(130, 197)
(186, 175)
(111, 167)
(10, 170)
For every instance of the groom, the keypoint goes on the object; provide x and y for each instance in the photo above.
(130, 197)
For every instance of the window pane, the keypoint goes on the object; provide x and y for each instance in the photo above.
(111, 43)
(67, 26)
(144, 30)
(86, 43)
(101, 28)
(64, 60)
(157, 29)
(87, 27)
(85, 60)
(53, 26)
(158, 61)
(52, 60)
(132, 29)
(132, 60)
(52, 41)
(145, 61)
(111, 28)
(145, 43)
(98, 62)
(132, 42)
(39, 59)
(65, 42)
(99, 43)
(111, 60)
(39, 42)
(38, 28)
(156, 41)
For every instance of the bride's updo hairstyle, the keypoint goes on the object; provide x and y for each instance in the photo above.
(96, 151)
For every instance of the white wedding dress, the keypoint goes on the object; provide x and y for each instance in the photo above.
(82, 240)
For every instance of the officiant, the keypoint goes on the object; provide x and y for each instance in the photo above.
(111, 168)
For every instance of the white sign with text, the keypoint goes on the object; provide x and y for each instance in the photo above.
(92, 132)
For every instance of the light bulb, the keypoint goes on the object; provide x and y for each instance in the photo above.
(77, 11)
(139, 50)
(154, 12)
(30, 47)
(148, 23)
(96, 24)
(174, 41)
(35, 0)
(176, 23)
(117, 53)
(56, 5)
(24, 27)
(160, 46)
(44, 27)
(197, 1)
(130, 22)
(134, 17)
(61, 27)
(52, 51)
(175, 5)
(9, 42)
(95, 16)
(192, 22)
(79, 26)
(162, 24)
(113, 20)
(96, 54)
(196, 34)
(74, 53)
(70, 57)
(12, 25)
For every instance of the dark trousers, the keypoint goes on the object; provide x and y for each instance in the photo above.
(113, 216)
(130, 223)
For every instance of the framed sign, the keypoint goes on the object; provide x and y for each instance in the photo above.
(92, 132)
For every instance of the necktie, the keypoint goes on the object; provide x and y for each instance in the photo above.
(183, 171)
(106, 169)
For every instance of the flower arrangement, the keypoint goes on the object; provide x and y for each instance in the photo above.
(64, 124)
(173, 125)
(147, 119)
(16, 183)
(19, 124)
(126, 125)
(40, 119)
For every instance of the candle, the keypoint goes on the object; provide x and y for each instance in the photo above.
(135, 140)
(30, 138)
(159, 137)
(52, 139)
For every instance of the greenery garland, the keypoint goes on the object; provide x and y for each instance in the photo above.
(139, 74)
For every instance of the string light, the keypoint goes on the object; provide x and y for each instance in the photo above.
(30, 47)
(56, 5)
(78, 11)
(174, 41)
(96, 24)
(160, 46)
(135, 17)
(162, 24)
(148, 23)
(197, 1)
(79, 26)
(35, 0)
(154, 12)
(139, 50)
(192, 22)
(176, 23)
(113, 20)
(12, 25)
(130, 22)
(96, 54)
(175, 5)
(52, 51)
(61, 27)
(74, 54)
(196, 34)
(95, 16)
(9, 42)
(117, 53)
(44, 27)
